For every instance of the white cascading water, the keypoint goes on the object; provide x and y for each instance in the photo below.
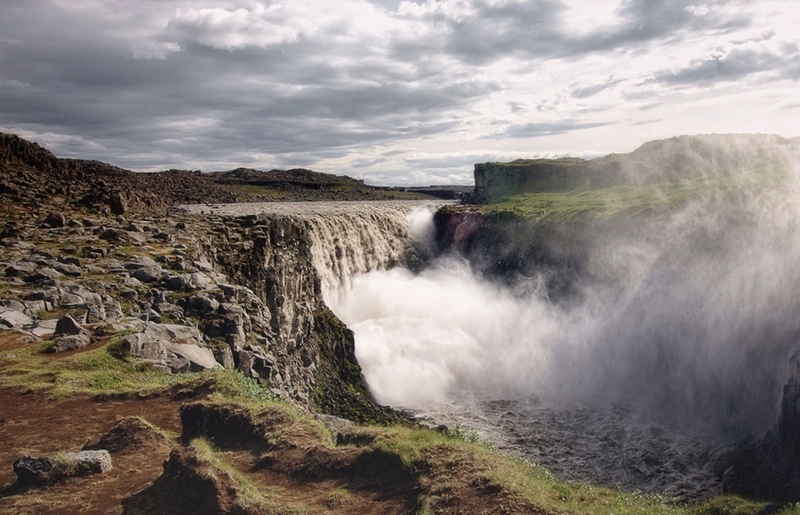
(351, 242)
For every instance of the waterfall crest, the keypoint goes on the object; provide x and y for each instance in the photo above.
(375, 237)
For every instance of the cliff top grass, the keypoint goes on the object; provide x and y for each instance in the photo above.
(447, 465)
(649, 200)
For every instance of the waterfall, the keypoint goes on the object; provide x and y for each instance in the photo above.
(376, 236)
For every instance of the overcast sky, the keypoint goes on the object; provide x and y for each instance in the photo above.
(394, 92)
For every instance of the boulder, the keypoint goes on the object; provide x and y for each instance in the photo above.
(12, 319)
(70, 270)
(54, 220)
(32, 471)
(19, 269)
(178, 347)
(89, 462)
(70, 342)
(148, 274)
(67, 326)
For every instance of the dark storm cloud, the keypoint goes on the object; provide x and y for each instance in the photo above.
(276, 100)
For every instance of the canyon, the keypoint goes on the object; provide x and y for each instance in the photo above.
(647, 346)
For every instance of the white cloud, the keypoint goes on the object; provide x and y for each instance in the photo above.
(261, 26)
(370, 88)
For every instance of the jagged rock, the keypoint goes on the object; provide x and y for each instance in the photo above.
(140, 262)
(95, 311)
(44, 327)
(19, 269)
(148, 274)
(33, 471)
(69, 260)
(113, 235)
(203, 304)
(67, 326)
(44, 274)
(224, 357)
(11, 319)
(180, 283)
(54, 220)
(118, 203)
(70, 270)
(70, 342)
(180, 348)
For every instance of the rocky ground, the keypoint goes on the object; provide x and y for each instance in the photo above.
(122, 334)
(196, 355)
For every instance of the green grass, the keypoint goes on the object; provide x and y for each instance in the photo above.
(644, 200)
(94, 372)
(248, 495)
(98, 372)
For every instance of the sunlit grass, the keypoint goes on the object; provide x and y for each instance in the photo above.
(643, 200)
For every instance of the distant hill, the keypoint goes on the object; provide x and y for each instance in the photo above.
(702, 157)
(32, 175)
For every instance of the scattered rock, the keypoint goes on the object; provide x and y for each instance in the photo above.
(334, 424)
(54, 220)
(70, 342)
(148, 274)
(67, 326)
(70, 270)
(32, 471)
(19, 269)
(11, 319)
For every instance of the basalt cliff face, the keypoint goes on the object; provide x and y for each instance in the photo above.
(189, 291)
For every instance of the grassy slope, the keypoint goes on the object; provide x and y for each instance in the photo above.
(645, 200)
(439, 460)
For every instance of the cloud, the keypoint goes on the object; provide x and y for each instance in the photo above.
(732, 63)
(261, 26)
(539, 129)
(209, 84)
(590, 91)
